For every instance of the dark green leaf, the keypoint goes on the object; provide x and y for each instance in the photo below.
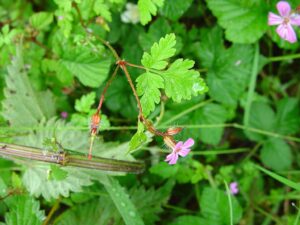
(174, 9)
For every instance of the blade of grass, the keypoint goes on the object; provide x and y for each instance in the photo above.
(229, 202)
(279, 178)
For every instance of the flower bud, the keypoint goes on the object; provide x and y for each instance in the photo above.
(173, 130)
(95, 121)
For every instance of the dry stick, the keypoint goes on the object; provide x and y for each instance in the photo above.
(52, 211)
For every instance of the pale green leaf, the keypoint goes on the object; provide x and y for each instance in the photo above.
(85, 103)
(276, 154)
(148, 86)
(24, 210)
(147, 8)
(41, 20)
(244, 21)
(102, 9)
(90, 69)
(160, 51)
(57, 173)
(138, 139)
(22, 105)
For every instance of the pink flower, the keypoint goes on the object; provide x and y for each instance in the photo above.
(285, 21)
(234, 188)
(63, 115)
(181, 149)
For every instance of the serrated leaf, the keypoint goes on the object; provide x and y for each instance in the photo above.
(181, 81)
(244, 21)
(174, 9)
(85, 103)
(228, 70)
(22, 105)
(169, 171)
(147, 8)
(215, 207)
(276, 154)
(122, 202)
(41, 20)
(102, 9)
(159, 52)
(24, 210)
(148, 86)
(90, 69)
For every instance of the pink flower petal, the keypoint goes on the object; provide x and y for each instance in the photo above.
(274, 19)
(189, 143)
(173, 159)
(295, 19)
(286, 32)
(169, 157)
(178, 145)
(184, 152)
(283, 8)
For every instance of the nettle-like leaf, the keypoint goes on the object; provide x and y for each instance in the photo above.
(244, 21)
(179, 80)
(23, 106)
(90, 69)
(24, 210)
(85, 103)
(147, 8)
(174, 9)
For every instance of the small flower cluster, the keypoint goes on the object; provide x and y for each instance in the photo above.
(285, 21)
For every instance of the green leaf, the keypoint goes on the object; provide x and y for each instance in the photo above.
(160, 51)
(24, 210)
(288, 116)
(211, 114)
(57, 173)
(138, 139)
(261, 117)
(41, 20)
(102, 9)
(147, 8)
(91, 70)
(169, 171)
(174, 9)
(22, 105)
(228, 69)
(181, 81)
(279, 178)
(188, 220)
(85, 103)
(148, 86)
(215, 208)
(276, 154)
(122, 202)
(244, 21)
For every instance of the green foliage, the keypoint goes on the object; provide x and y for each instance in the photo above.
(147, 8)
(138, 139)
(245, 21)
(24, 210)
(85, 103)
(174, 9)
(41, 20)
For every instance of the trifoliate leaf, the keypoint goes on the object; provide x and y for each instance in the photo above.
(276, 154)
(91, 70)
(147, 8)
(24, 210)
(41, 20)
(215, 207)
(288, 116)
(148, 85)
(23, 106)
(244, 21)
(181, 81)
(174, 9)
(160, 51)
(85, 103)
(228, 70)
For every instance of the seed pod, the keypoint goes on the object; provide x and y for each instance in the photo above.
(95, 121)
(173, 130)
